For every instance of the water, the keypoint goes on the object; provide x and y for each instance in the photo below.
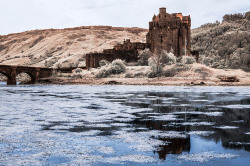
(131, 125)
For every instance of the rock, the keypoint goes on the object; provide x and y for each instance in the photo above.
(112, 83)
(202, 83)
(228, 78)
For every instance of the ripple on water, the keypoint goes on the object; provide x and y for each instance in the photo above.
(92, 125)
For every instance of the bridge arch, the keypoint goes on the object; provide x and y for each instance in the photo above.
(6, 75)
(31, 74)
(25, 77)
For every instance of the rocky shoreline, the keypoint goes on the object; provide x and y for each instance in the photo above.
(140, 82)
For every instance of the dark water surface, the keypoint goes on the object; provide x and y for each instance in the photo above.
(131, 125)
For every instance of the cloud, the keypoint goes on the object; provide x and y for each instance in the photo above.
(22, 15)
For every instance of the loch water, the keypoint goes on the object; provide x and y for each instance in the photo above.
(124, 125)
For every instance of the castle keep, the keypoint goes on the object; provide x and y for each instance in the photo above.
(170, 32)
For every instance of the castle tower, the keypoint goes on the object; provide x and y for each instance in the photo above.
(162, 12)
(170, 32)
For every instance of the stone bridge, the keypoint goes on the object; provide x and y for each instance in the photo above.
(35, 73)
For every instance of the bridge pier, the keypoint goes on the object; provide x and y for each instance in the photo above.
(11, 82)
(12, 78)
(37, 75)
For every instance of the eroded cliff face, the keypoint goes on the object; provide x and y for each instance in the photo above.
(62, 47)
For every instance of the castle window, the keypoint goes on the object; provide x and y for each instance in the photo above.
(161, 39)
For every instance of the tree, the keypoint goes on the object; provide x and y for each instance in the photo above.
(156, 63)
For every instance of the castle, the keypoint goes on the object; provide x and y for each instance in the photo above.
(170, 32)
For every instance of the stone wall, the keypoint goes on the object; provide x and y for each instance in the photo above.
(93, 59)
(127, 51)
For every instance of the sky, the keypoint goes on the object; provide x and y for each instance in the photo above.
(23, 15)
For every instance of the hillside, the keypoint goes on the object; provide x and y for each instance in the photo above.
(226, 44)
(221, 45)
(62, 47)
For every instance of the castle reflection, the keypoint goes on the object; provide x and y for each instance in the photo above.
(194, 107)
(173, 145)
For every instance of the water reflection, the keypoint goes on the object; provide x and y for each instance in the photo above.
(91, 125)
(173, 145)
(196, 112)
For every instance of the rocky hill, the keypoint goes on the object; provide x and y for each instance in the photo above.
(226, 44)
(62, 47)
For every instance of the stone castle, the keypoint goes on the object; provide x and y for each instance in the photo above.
(170, 32)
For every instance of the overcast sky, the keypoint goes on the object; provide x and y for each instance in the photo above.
(23, 15)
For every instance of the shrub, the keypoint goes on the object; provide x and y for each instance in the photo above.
(208, 61)
(78, 70)
(203, 72)
(129, 75)
(156, 67)
(188, 60)
(168, 58)
(151, 75)
(174, 70)
(234, 62)
(158, 61)
(181, 67)
(103, 72)
(143, 57)
(116, 67)
(77, 76)
(170, 72)
(119, 65)
(138, 74)
(103, 63)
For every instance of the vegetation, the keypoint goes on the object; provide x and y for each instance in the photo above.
(226, 44)
(116, 67)
(175, 69)
(78, 73)
(188, 60)
(103, 63)
(158, 61)
(143, 57)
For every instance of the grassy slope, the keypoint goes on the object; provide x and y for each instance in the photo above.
(62, 46)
